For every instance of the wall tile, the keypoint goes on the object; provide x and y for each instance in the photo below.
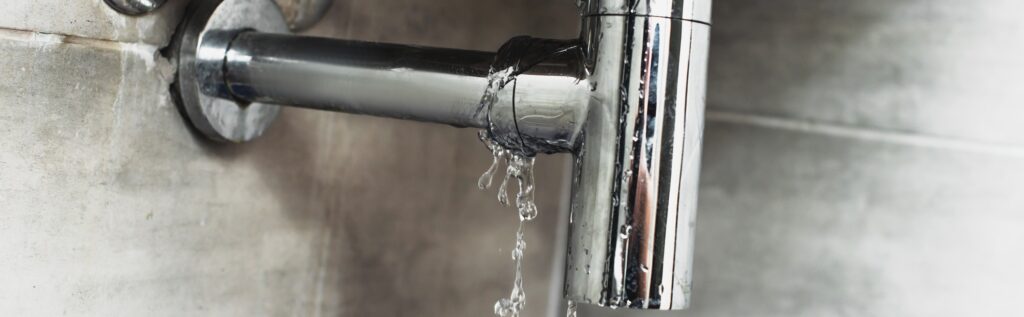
(945, 68)
(803, 224)
(92, 19)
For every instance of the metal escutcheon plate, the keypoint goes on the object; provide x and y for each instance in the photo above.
(205, 26)
(135, 7)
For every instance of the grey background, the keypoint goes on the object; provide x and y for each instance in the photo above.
(863, 158)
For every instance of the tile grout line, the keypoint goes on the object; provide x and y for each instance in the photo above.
(865, 134)
(29, 36)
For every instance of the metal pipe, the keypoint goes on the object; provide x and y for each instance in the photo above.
(690, 10)
(635, 177)
(387, 80)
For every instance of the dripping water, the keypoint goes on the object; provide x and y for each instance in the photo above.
(570, 310)
(513, 305)
(515, 57)
(519, 168)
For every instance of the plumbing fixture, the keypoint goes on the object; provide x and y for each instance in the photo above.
(626, 99)
(135, 7)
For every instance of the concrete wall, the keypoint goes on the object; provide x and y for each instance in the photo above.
(111, 206)
(862, 158)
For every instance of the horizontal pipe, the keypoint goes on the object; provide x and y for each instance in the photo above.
(387, 80)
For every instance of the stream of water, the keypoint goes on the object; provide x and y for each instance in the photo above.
(520, 169)
(516, 56)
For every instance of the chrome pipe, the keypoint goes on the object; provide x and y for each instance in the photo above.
(387, 80)
(635, 178)
(543, 106)
(540, 109)
(690, 10)
(626, 99)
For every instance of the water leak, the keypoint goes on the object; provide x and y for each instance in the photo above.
(515, 57)
(570, 310)
(519, 168)
(513, 305)
(499, 153)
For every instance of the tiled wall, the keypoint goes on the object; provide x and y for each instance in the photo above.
(862, 158)
(111, 206)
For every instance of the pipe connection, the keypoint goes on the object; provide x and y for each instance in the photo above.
(626, 99)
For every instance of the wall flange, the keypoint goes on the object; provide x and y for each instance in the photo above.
(199, 47)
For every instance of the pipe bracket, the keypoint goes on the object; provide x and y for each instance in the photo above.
(201, 45)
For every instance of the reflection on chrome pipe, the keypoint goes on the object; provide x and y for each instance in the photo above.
(542, 111)
(691, 10)
(543, 107)
(635, 178)
(396, 81)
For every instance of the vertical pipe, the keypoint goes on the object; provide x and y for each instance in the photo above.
(635, 177)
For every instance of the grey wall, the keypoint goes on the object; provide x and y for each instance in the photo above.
(862, 158)
(111, 206)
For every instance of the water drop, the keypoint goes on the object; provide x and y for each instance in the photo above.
(570, 310)
(513, 305)
(498, 154)
(616, 300)
(624, 231)
(503, 191)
